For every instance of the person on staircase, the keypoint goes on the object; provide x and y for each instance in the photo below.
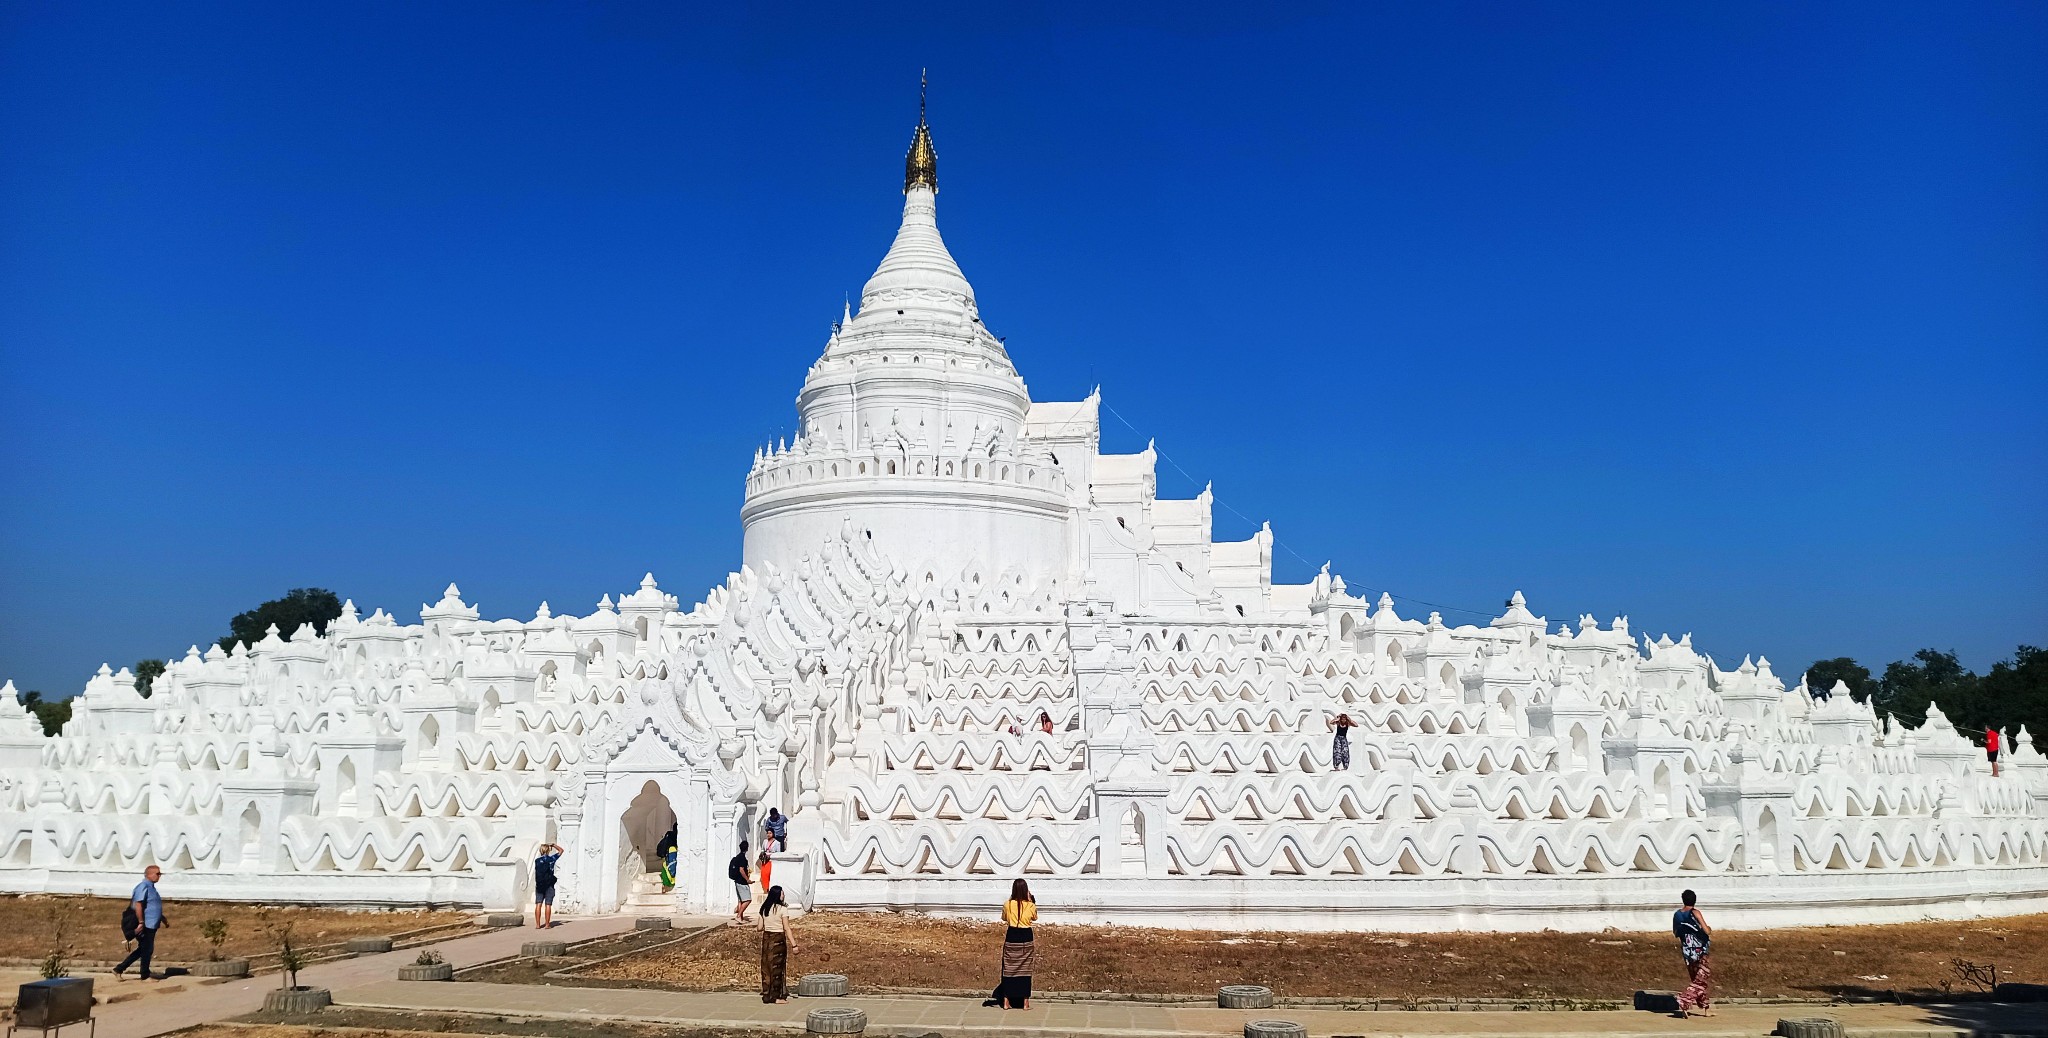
(667, 850)
(1340, 748)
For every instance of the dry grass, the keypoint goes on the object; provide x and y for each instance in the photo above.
(917, 952)
(26, 924)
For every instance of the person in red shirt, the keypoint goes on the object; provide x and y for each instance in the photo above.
(1991, 749)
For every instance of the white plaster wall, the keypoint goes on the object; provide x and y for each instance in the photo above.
(1434, 904)
(947, 527)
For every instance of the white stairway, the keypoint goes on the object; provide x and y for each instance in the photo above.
(646, 897)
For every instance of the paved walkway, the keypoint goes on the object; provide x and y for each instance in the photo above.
(958, 1018)
(181, 1002)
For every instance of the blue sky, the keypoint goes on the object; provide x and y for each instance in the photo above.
(1730, 317)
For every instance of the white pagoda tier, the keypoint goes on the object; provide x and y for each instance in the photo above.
(933, 558)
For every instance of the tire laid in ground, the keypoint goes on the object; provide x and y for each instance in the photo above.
(1657, 1001)
(1274, 1029)
(1809, 1027)
(1244, 996)
(293, 1001)
(2020, 993)
(836, 1021)
(368, 945)
(221, 968)
(495, 920)
(430, 971)
(651, 923)
(821, 985)
(543, 949)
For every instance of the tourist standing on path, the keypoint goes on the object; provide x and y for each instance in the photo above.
(742, 884)
(763, 866)
(1340, 748)
(777, 826)
(1991, 749)
(776, 944)
(1020, 955)
(1695, 943)
(149, 915)
(544, 885)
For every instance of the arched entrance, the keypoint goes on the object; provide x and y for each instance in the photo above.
(645, 828)
(636, 783)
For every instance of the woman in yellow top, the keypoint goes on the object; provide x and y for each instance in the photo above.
(1020, 955)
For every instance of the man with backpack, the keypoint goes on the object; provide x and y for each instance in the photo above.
(140, 921)
(544, 885)
(742, 884)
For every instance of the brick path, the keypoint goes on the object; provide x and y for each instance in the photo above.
(161, 1006)
(960, 1018)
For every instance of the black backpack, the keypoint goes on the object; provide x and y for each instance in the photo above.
(543, 872)
(737, 870)
(130, 922)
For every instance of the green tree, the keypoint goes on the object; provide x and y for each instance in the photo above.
(1932, 677)
(2015, 693)
(1822, 675)
(146, 673)
(52, 713)
(303, 605)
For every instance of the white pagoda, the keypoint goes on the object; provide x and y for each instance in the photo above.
(937, 569)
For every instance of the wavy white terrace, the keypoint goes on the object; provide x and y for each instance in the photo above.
(933, 558)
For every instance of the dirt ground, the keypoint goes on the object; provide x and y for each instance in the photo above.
(534, 971)
(907, 951)
(93, 927)
(337, 1022)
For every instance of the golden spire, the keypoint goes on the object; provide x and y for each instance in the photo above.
(921, 166)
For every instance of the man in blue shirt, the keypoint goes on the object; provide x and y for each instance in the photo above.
(149, 913)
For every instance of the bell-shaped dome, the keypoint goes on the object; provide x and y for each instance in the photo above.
(918, 273)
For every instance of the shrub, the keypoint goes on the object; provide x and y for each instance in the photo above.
(428, 957)
(290, 959)
(215, 930)
(62, 921)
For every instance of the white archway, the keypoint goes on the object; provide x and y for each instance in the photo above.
(648, 817)
(605, 840)
(248, 835)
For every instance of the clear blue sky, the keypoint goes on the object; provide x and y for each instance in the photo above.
(1730, 317)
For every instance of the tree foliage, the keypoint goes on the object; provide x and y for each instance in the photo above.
(1823, 674)
(2015, 692)
(2012, 694)
(146, 673)
(303, 605)
(51, 712)
(1931, 676)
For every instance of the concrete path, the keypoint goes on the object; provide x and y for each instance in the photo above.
(134, 1009)
(957, 1018)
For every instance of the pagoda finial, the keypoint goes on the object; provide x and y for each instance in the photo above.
(921, 166)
